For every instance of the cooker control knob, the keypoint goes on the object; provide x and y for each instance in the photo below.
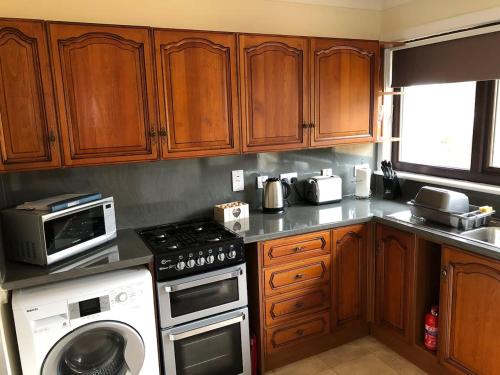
(210, 259)
(201, 261)
(191, 263)
(180, 265)
(231, 254)
(221, 257)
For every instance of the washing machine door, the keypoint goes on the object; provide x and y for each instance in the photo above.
(104, 347)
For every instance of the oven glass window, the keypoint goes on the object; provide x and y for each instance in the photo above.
(203, 297)
(99, 351)
(211, 353)
(73, 229)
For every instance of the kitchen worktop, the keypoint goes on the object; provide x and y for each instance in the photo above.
(127, 250)
(304, 218)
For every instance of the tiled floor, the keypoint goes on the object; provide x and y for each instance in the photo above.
(365, 356)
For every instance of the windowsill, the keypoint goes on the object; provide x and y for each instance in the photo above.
(459, 184)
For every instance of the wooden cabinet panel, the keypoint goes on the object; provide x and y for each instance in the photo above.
(469, 314)
(345, 76)
(274, 92)
(198, 93)
(290, 249)
(349, 275)
(394, 280)
(296, 304)
(297, 333)
(104, 79)
(293, 276)
(28, 128)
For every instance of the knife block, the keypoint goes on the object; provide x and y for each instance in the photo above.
(392, 189)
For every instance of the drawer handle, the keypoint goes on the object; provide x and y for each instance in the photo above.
(299, 276)
(299, 332)
(298, 249)
(299, 305)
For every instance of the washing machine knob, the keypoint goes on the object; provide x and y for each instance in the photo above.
(121, 297)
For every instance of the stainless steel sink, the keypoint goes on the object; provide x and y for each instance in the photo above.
(489, 234)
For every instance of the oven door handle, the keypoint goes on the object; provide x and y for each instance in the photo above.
(210, 327)
(202, 281)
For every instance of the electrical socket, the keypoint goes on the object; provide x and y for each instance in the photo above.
(360, 166)
(327, 172)
(238, 180)
(288, 176)
(260, 181)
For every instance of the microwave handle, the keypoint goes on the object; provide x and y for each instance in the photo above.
(210, 327)
(206, 280)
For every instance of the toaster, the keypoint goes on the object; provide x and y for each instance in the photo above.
(323, 189)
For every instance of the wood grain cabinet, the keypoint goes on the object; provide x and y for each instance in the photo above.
(394, 281)
(198, 93)
(344, 88)
(469, 313)
(349, 270)
(28, 124)
(274, 80)
(104, 80)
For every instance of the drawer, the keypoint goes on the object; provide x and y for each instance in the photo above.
(299, 332)
(291, 249)
(293, 276)
(284, 307)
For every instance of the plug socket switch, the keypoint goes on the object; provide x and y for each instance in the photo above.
(260, 181)
(238, 180)
(327, 172)
(288, 176)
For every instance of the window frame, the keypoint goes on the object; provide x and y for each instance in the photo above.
(480, 171)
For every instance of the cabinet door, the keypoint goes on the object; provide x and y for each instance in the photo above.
(349, 276)
(274, 92)
(394, 280)
(344, 88)
(469, 314)
(198, 93)
(104, 81)
(28, 128)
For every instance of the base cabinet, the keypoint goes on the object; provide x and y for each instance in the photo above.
(394, 281)
(470, 313)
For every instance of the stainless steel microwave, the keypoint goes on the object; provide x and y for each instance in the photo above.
(43, 238)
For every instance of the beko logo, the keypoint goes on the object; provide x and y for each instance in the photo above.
(31, 310)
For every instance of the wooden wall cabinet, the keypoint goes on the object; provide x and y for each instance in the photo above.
(28, 124)
(394, 273)
(344, 88)
(198, 93)
(469, 313)
(104, 81)
(349, 276)
(274, 82)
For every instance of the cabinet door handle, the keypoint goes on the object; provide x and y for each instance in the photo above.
(299, 332)
(305, 125)
(299, 305)
(299, 276)
(163, 132)
(312, 125)
(52, 137)
(152, 133)
(298, 249)
(444, 273)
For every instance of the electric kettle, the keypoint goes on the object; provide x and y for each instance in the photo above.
(274, 194)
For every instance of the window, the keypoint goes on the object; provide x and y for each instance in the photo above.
(436, 125)
(449, 130)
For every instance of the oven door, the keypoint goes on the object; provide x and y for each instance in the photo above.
(213, 346)
(199, 296)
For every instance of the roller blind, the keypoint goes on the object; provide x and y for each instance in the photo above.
(474, 58)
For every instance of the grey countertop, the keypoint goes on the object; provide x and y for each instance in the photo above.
(303, 218)
(127, 250)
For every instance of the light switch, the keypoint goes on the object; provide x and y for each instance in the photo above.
(260, 181)
(238, 180)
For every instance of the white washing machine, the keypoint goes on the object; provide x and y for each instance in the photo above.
(100, 324)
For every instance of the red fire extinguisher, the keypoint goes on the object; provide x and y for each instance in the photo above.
(431, 329)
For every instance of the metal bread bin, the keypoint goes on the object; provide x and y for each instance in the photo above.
(442, 200)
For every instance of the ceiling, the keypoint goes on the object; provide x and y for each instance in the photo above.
(357, 4)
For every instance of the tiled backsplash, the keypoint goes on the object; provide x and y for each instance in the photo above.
(165, 191)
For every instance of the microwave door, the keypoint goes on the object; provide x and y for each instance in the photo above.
(212, 346)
